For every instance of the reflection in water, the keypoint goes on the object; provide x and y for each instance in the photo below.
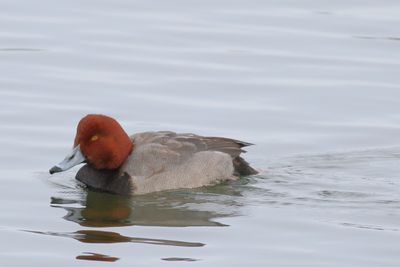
(176, 209)
(96, 257)
(167, 209)
(93, 236)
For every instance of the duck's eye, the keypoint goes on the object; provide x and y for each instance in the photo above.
(94, 137)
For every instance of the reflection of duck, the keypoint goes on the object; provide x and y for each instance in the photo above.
(150, 161)
(103, 237)
(100, 210)
(163, 209)
(88, 256)
(178, 209)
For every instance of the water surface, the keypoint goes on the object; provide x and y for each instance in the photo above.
(314, 85)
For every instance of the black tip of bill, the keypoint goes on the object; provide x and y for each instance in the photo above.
(55, 169)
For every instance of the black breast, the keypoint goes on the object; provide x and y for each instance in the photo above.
(105, 180)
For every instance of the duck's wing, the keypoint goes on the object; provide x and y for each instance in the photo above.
(191, 142)
(232, 147)
(166, 149)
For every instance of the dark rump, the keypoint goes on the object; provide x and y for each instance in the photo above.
(242, 167)
(234, 149)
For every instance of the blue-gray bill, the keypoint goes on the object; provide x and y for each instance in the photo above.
(72, 159)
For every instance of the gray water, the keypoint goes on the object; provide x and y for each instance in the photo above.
(314, 84)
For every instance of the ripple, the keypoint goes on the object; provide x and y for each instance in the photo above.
(21, 49)
(179, 259)
(331, 179)
(369, 227)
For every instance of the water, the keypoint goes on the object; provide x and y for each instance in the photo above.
(314, 85)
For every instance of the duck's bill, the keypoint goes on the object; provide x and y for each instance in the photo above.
(72, 159)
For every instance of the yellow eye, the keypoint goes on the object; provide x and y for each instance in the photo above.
(94, 137)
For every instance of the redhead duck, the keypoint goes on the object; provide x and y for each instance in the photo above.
(150, 161)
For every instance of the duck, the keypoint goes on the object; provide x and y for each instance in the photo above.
(149, 162)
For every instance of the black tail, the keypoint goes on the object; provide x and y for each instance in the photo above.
(242, 167)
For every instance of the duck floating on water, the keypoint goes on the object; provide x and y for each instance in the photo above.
(150, 161)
